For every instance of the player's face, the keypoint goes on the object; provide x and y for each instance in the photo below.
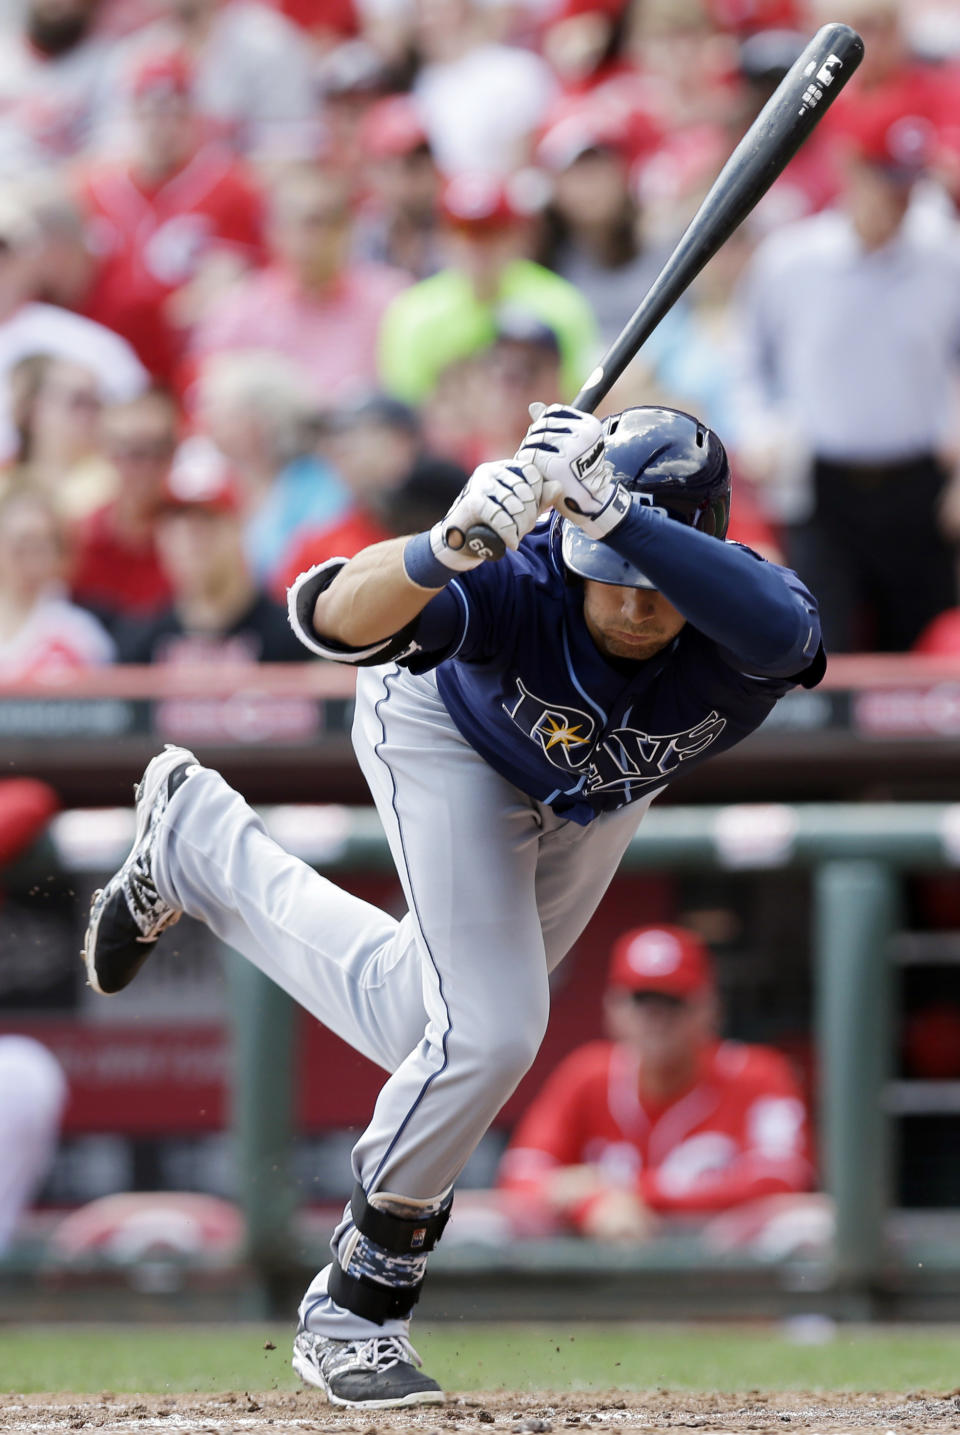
(632, 623)
(668, 1034)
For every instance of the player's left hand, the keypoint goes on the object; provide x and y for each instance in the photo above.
(504, 497)
(566, 446)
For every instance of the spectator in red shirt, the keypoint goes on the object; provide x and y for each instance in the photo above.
(174, 224)
(117, 569)
(312, 303)
(663, 1119)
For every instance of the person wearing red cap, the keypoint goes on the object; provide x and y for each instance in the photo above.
(217, 614)
(176, 221)
(452, 315)
(663, 1119)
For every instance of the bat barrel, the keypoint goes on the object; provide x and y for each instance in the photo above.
(800, 100)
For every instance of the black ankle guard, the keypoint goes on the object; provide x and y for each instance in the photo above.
(400, 1235)
(370, 1299)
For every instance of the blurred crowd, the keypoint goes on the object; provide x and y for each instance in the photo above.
(275, 275)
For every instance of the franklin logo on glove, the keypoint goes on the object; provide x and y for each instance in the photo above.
(588, 461)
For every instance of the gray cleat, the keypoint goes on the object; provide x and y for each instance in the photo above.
(370, 1374)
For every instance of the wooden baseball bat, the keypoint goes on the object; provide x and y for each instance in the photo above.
(800, 100)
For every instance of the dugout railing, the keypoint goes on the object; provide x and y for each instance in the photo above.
(856, 856)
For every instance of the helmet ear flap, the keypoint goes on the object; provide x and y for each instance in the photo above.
(716, 518)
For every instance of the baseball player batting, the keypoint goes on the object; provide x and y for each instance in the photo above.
(514, 721)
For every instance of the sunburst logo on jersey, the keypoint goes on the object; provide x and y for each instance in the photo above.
(560, 734)
(565, 734)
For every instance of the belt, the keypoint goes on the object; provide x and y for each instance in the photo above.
(862, 472)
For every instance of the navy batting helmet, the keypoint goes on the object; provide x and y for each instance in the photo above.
(677, 463)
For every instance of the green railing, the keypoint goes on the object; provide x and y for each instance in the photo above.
(855, 855)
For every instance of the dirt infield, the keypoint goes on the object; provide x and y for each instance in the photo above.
(627, 1413)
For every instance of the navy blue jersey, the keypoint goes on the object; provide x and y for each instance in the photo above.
(584, 733)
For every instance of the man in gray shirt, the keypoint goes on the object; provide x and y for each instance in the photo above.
(850, 331)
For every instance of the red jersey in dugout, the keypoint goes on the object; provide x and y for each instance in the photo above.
(151, 242)
(738, 1133)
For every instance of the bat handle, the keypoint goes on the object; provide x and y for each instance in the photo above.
(482, 542)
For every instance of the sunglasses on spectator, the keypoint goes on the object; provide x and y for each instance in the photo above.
(665, 1001)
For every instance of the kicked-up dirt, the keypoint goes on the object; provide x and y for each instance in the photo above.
(498, 1413)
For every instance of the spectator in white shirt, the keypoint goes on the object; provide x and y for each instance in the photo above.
(43, 636)
(34, 1094)
(850, 328)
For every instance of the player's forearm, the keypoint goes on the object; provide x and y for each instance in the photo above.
(371, 597)
(743, 604)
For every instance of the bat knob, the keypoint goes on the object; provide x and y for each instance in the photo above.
(482, 542)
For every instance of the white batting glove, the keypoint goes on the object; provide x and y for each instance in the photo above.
(566, 447)
(504, 497)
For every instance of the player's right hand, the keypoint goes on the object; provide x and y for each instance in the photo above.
(567, 447)
(503, 496)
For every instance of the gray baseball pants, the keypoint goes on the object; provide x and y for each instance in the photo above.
(453, 999)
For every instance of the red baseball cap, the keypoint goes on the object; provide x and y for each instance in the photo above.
(480, 201)
(567, 9)
(900, 140)
(164, 76)
(577, 124)
(670, 960)
(392, 127)
(573, 135)
(200, 477)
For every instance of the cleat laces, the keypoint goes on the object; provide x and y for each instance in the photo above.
(380, 1352)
